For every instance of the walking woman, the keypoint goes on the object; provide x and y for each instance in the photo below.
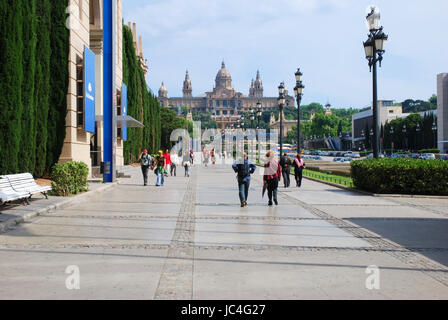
(145, 160)
(272, 176)
(298, 165)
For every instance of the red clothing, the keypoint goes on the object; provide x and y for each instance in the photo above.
(168, 158)
(272, 170)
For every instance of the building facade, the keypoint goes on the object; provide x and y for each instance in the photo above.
(224, 103)
(442, 111)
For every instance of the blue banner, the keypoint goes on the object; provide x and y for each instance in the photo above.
(89, 90)
(124, 107)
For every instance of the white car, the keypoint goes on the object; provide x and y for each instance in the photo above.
(429, 156)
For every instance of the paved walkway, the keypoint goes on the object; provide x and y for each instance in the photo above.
(191, 240)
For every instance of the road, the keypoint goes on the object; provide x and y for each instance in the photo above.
(191, 240)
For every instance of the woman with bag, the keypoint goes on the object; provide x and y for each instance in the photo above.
(298, 165)
(272, 176)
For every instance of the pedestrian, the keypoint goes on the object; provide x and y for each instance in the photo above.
(285, 163)
(175, 162)
(186, 163)
(244, 168)
(206, 157)
(272, 176)
(160, 169)
(168, 160)
(191, 157)
(213, 156)
(299, 165)
(145, 161)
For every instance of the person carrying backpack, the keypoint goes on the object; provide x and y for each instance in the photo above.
(285, 163)
(298, 165)
(244, 168)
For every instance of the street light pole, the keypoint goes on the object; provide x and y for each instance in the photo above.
(374, 49)
(404, 136)
(434, 129)
(298, 91)
(391, 140)
(281, 103)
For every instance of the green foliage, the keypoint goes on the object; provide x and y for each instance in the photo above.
(69, 178)
(410, 105)
(142, 105)
(34, 54)
(429, 151)
(170, 122)
(402, 176)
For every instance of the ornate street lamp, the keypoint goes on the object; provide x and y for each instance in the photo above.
(259, 112)
(363, 135)
(404, 135)
(281, 103)
(374, 50)
(434, 129)
(298, 92)
(417, 130)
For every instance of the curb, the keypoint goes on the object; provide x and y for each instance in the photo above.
(8, 225)
(378, 195)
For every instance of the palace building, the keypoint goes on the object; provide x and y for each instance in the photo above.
(225, 104)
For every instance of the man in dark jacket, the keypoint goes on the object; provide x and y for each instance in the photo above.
(244, 168)
(285, 163)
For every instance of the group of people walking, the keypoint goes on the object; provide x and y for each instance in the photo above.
(162, 164)
(273, 173)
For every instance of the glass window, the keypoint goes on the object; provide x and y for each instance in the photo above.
(224, 103)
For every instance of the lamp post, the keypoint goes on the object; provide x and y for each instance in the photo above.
(281, 104)
(434, 129)
(374, 49)
(417, 142)
(298, 92)
(404, 136)
(391, 140)
(363, 135)
(259, 113)
(252, 117)
(371, 136)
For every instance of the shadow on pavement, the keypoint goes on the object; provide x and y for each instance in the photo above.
(428, 235)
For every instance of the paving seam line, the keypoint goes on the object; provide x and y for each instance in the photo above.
(409, 257)
(10, 224)
(176, 278)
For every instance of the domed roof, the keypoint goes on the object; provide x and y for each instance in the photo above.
(223, 73)
(162, 88)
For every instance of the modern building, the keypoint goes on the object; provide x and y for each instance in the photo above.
(225, 104)
(86, 35)
(387, 112)
(442, 111)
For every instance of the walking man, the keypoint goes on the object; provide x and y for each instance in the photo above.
(160, 169)
(168, 160)
(145, 161)
(272, 176)
(299, 165)
(285, 163)
(244, 168)
(186, 163)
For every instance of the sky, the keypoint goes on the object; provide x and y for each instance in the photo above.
(322, 37)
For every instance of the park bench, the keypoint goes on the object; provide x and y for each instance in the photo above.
(24, 182)
(8, 194)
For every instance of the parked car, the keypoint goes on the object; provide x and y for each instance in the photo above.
(443, 156)
(414, 155)
(337, 159)
(317, 158)
(347, 159)
(429, 156)
(370, 156)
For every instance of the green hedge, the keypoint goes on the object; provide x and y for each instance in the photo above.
(429, 151)
(401, 176)
(69, 178)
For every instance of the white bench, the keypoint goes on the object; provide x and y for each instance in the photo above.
(24, 182)
(8, 194)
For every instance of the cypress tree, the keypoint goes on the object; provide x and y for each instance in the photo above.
(60, 50)
(11, 76)
(42, 85)
(27, 152)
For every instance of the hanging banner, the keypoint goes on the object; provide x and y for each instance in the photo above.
(124, 107)
(89, 90)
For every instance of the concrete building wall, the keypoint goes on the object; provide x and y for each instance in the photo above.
(442, 111)
(90, 33)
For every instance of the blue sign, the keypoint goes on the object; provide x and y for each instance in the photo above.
(89, 90)
(124, 107)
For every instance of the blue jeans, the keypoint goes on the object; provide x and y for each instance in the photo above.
(243, 186)
(160, 179)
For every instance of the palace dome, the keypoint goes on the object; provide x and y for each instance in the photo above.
(223, 78)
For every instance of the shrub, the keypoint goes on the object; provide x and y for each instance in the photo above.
(402, 176)
(429, 151)
(69, 178)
